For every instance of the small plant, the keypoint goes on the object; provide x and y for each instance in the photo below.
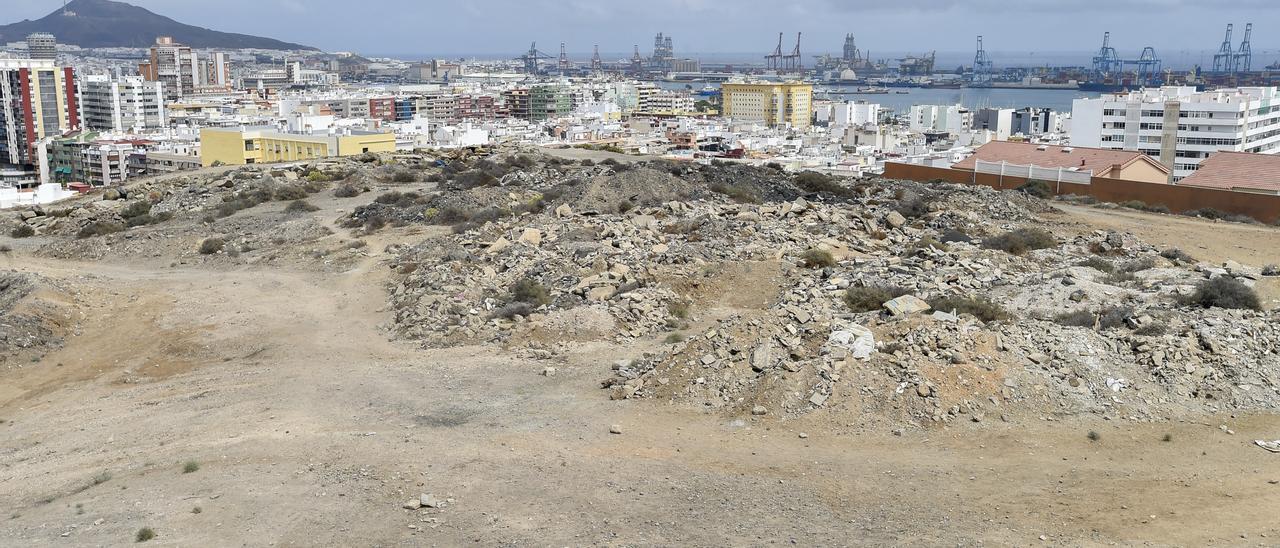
(144, 534)
(1099, 264)
(1138, 265)
(346, 191)
(102, 478)
(291, 192)
(679, 309)
(99, 228)
(22, 231)
(1021, 240)
(741, 193)
(1271, 270)
(1224, 292)
(511, 310)
(190, 466)
(674, 338)
(1177, 255)
(978, 307)
(1094, 435)
(317, 176)
(1153, 329)
(1167, 438)
(300, 206)
(871, 298)
(1039, 189)
(954, 236)
(625, 206)
(1121, 277)
(813, 181)
(912, 206)
(531, 292)
(817, 258)
(196, 510)
(1078, 318)
(211, 245)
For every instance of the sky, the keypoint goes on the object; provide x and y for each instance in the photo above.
(441, 27)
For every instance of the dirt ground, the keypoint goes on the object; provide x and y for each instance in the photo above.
(310, 428)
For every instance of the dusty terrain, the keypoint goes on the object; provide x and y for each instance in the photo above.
(309, 423)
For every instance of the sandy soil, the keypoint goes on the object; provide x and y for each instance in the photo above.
(310, 427)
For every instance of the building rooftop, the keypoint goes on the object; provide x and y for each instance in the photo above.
(1240, 171)
(1098, 160)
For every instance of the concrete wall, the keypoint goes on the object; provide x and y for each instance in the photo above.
(1265, 208)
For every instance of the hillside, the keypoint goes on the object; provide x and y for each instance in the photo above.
(105, 23)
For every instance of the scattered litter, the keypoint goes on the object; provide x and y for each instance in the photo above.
(1272, 446)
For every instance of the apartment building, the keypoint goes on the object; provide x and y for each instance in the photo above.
(847, 113)
(953, 119)
(172, 64)
(775, 104)
(1179, 125)
(267, 144)
(42, 45)
(38, 100)
(123, 105)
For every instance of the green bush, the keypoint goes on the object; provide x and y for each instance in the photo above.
(136, 209)
(144, 534)
(1224, 292)
(190, 466)
(1138, 265)
(817, 258)
(1175, 254)
(979, 307)
(289, 192)
(1078, 318)
(346, 191)
(1021, 240)
(22, 231)
(403, 176)
(531, 292)
(317, 176)
(813, 181)
(871, 298)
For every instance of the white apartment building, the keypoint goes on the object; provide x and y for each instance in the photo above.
(953, 119)
(1180, 126)
(847, 113)
(124, 105)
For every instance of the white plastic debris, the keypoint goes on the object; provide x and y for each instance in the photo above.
(1117, 385)
(858, 340)
(1273, 446)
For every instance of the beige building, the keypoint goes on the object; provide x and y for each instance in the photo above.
(775, 104)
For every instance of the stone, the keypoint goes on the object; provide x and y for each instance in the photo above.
(924, 390)
(615, 429)
(709, 359)
(413, 504)
(564, 210)
(895, 219)
(818, 398)
(759, 410)
(429, 500)
(548, 371)
(531, 236)
(906, 304)
(660, 248)
(601, 293)
(498, 245)
(762, 357)
(643, 221)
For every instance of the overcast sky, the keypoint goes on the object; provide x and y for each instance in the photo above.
(500, 26)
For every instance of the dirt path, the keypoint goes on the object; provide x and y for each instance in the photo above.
(310, 428)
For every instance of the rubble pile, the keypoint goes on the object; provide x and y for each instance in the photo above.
(27, 323)
(624, 275)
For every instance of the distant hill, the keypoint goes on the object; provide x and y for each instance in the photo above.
(105, 23)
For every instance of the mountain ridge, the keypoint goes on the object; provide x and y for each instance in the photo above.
(108, 23)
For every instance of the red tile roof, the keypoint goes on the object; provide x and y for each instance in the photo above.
(1099, 160)
(1245, 171)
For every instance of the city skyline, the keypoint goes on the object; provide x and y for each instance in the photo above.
(506, 26)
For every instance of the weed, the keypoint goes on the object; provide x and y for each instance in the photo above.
(102, 477)
(871, 298)
(99, 228)
(196, 510)
(979, 307)
(679, 309)
(1138, 265)
(511, 310)
(625, 206)
(145, 534)
(1178, 255)
(1153, 329)
(813, 181)
(1120, 277)
(300, 206)
(1167, 438)
(817, 258)
(674, 338)
(346, 191)
(1078, 318)
(1039, 189)
(1093, 435)
(1099, 264)
(1224, 292)
(211, 245)
(740, 193)
(190, 466)
(22, 231)
(403, 176)
(1271, 270)
(1021, 240)
(530, 291)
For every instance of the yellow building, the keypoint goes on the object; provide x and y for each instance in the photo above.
(264, 145)
(773, 103)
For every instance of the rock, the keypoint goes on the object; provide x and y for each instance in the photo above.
(601, 293)
(659, 248)
(924, 390)
(498, 245)
(818, 398)
(709, 359)
(804, 435)
(429, 500)
(906, 304)
(858, 341)
(759, 410)
(563, 210)
(413, 504)
(548, 371)
(643, 221)
(615, 429)
(531, 236)
(895, 219)
(762, 357)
